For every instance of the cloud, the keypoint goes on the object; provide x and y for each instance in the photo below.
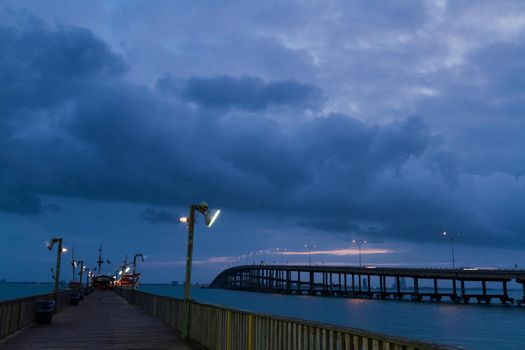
(154, 216)
(42, 67)
(245, 93)
(75, 125)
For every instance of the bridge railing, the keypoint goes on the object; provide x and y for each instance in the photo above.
(222, 328)
(18, 313)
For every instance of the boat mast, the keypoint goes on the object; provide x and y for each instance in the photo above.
(100, 261)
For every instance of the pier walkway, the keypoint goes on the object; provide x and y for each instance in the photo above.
(103, 320)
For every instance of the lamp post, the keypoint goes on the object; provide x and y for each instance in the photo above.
(135, 267)
(60, 250)
(452, 239)
(80, 274)
(310, 247)
(210, 215)
(88, 274)
(281, 250)
(359, 244)
(73, 263)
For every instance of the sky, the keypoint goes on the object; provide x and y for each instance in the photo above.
(305, 122)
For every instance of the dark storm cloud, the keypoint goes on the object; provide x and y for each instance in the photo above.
(154, 216)
(41, 67)
(19, 202)
(91, 133)
(249, 93)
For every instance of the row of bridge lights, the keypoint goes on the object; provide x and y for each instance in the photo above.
(359, 243)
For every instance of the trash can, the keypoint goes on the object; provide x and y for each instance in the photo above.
(74, 298)
(44, 311)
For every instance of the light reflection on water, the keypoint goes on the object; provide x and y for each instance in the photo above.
(470, 326)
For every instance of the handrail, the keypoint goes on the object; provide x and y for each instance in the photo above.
(219, 327)
(18, 313)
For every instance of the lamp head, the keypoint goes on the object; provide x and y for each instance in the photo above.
(211, 215)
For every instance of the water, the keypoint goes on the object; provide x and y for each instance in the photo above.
(10, 291)
(474, 327)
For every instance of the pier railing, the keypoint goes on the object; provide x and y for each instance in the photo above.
(222, 328)
(18, 313)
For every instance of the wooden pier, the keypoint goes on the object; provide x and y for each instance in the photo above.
(373, 282)
(139, 320)
(102, 321)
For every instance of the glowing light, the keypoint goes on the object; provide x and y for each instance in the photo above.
(64, 250)
(341, 252)
(183, 220)
(211, 216)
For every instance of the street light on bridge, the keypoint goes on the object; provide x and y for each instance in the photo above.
(310, 247)
(452, 239)
(359, 244)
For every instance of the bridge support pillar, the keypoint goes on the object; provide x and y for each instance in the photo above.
(463, 295)
(312, 285)
(416, 289)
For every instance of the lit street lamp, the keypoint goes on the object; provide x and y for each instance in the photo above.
(73, 263)
(60, 250)
(310, 247)
(359, 244)
(210, 215)
(80, 273)
(281, 250)
(452, 239)
(135, 267)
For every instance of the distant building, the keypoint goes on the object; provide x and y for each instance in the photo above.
(174, 283)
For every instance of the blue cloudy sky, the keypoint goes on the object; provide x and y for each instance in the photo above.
(311, 122)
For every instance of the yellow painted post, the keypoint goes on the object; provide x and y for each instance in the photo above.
(228, 330)
(250, 332)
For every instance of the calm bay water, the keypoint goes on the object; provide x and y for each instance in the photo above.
(10, 291)
(474, 327)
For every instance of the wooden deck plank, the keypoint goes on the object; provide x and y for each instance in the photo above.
(102, 321)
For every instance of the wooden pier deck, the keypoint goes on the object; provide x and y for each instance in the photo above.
(103, 320)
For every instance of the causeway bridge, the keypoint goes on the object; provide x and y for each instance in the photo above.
(460, 285)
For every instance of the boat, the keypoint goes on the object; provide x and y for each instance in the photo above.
(102, 281)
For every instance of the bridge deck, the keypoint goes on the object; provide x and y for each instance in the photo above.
(103, 320)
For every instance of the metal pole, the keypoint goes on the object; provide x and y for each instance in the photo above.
(73, 262)
(80, 274)
(59, 256)
(187, 282)
(134, 267)
(189, 257)
(453, 259)
(359, 245)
